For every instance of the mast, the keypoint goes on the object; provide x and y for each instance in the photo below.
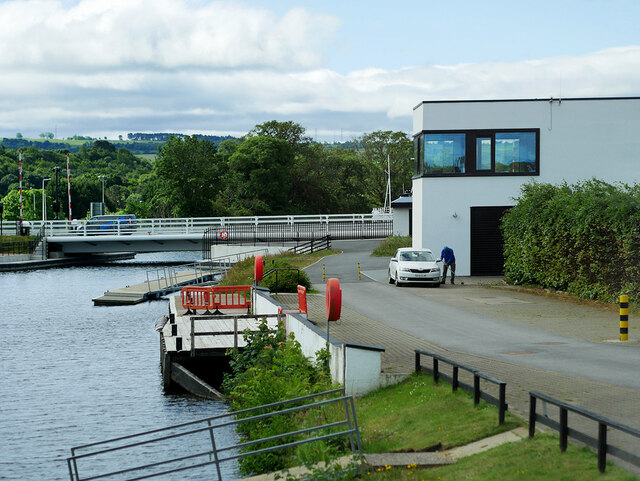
(69, 186)
(20, 170)
(387, 195)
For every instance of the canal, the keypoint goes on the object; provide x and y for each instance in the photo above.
(72, 373)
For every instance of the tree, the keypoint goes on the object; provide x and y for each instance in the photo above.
(290, 131)
(259, 177)
(189, 171)
(46, 135)
(18, 135)
(398, 147)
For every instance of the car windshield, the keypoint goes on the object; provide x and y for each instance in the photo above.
(416, 256)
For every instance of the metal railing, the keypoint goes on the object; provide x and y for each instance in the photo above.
(206, 449)
(26, 246)
(562, 426)
(167, 277)
(455, 382)
(366, 225)
(312, 246)
(237, 332)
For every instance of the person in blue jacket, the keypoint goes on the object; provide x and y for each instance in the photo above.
(449, 260)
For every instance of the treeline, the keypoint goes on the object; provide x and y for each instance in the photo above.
(163, 137)
(135, 147)
(121, 169)
(274, 169)
(582, 238)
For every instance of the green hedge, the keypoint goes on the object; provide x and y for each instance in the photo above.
(582, 238)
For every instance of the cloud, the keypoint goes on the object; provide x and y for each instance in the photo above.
(162, 34)
(186, 66)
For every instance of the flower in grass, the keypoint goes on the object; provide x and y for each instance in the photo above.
(387, 467)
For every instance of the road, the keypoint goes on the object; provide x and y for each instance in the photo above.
(563, 348)
(432, 314)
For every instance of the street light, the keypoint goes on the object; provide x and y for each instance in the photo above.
(44, 201)
(102, 178)
(56, 204)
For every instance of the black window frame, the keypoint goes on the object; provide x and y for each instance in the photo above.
(470, 153)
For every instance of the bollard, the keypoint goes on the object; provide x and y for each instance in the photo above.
(178, 344)
(624, 318)
(323, 273)
(174, 329)
(359, 277)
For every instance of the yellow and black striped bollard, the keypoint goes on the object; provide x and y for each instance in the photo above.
(624, 318)
(359, 277)
(323, 273)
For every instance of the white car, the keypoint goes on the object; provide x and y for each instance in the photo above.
(410, 265)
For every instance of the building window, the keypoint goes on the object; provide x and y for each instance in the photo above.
(444, 153)
(483, 153)
(515, 152)
(477, 152)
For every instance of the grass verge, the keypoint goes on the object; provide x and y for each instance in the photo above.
(537, 459)
(418, 415)
(390, 245)
(242, 273)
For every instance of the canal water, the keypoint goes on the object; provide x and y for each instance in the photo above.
(72, 373)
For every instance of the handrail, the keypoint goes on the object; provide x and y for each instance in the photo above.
(562, 426)
(500, 401)
(197, 225)
(213, 451)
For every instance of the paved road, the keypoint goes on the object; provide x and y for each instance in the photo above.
(567, 350)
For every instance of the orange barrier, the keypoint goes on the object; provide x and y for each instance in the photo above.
(215, 298)
(302, 303)
(302, 299)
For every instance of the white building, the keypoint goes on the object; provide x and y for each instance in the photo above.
(472, 157)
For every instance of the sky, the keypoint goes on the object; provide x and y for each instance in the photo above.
(338, 68)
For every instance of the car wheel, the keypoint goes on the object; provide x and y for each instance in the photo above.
(391, 281)
(398, 283)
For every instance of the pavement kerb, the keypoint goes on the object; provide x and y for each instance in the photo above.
(377, 460)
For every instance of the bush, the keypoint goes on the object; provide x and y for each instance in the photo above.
(582, 238)
(284, 280)
(270, 369)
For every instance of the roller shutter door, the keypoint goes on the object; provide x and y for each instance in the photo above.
(486, 241)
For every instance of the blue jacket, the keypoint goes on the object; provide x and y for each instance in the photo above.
(447, 255)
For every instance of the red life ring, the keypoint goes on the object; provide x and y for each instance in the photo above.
(224, 234)
(258, 268)
(333, 300)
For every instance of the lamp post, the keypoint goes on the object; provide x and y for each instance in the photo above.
(56, 204)
(101, 177)
(44, 201)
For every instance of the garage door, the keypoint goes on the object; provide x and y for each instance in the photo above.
(486, 241)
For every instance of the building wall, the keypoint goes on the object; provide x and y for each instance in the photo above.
(401, 221)
(579, 140)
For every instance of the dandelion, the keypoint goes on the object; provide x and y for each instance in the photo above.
(387, 467)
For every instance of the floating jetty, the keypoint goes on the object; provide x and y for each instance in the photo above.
(203, 323)
(166, 280)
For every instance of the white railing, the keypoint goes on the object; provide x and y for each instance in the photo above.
(183, 226)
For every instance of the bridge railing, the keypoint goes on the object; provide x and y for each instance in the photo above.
(331, 223)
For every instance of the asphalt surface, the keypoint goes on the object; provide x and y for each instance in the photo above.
(533, 342)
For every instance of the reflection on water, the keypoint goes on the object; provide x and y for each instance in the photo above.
(73, 373)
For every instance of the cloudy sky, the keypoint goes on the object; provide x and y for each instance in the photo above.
(340, 68)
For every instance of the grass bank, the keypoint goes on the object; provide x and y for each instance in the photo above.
(242, 272)
(390, 245)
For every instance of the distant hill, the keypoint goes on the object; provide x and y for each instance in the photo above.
(163, 137)
(137, 144)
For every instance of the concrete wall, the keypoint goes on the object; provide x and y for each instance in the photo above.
(355, 366)
(579, 140)
(401, 221)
